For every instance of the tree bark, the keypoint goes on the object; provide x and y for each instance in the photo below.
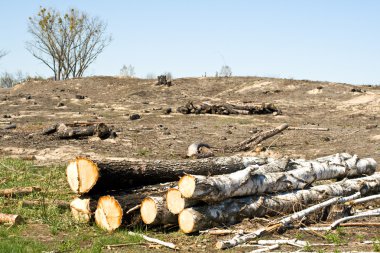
(19, 191)
(84, 175)
(248, 182)
(153, 211)
(12, 219)
(234, 210)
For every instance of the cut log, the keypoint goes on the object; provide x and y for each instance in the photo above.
(84, 175)
(11, 219)
(255, 139)
(248, 182)
(83, 209)
(153, 211)
(108, 214)
(234, 210)
(19, 191)
(176, 203)
(114, 210)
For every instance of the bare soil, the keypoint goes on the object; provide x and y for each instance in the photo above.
(353, 119)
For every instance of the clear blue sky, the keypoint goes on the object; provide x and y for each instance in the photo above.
(328, 40)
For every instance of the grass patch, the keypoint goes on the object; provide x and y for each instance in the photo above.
(47, 227)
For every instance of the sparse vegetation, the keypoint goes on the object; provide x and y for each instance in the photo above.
(225, 71)
(66, 43)
(127, 71)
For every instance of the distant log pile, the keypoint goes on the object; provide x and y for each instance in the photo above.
(228, 109)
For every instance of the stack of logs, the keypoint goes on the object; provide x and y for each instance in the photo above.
(227, 109)
(211, 192)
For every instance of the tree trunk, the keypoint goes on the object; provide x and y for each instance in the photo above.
(154, 212)
(12, 219)
(84, 175)
(19, 191)
(234, 210)
(248, 182)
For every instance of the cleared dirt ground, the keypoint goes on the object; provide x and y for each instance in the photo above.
(352, 116)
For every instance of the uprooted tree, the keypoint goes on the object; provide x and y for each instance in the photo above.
(66, 43)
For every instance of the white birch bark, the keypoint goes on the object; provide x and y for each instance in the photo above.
(234, 210)
(250, 181)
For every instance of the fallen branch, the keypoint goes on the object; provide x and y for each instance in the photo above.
(363, 200)
(58, 203)
(293, 242)
(264, 249)
(231, 211)
(255, 139)
(303, 213)
(375, 212)
(249, 182)
(19, 191)
(11, 219)
(309, 128)
(154, 240)
(121, 245)
(361, 224)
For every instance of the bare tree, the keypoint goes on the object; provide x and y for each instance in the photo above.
(66, 43)
(225, 71)
(127, 71)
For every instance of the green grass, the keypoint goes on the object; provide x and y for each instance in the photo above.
(48, 228)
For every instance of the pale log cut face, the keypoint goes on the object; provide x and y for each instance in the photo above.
(108, 214)
(82, 175)
(186, 185)
(174, 201)
(186, 221)
(148, 210)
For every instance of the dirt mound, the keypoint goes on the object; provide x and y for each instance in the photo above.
(34, 105)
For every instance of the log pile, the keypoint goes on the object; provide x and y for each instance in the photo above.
(228, 109)
(201, 194)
